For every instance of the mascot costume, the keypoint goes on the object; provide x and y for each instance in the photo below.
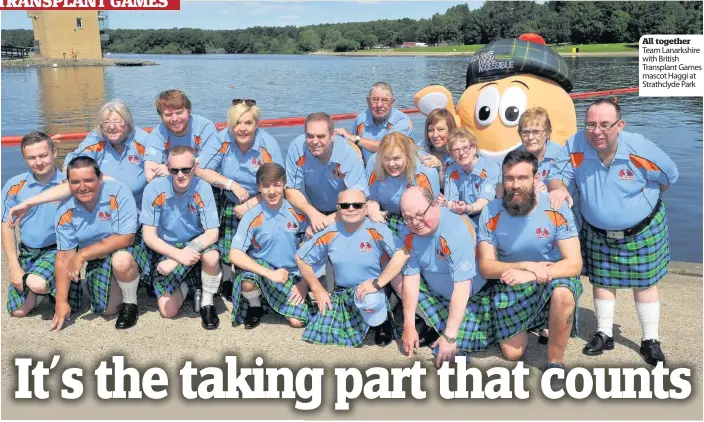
(504, 79)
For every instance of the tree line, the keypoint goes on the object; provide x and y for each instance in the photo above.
(557, 21)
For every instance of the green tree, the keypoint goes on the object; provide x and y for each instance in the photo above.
(309, 40)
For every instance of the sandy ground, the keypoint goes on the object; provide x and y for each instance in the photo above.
(168, 343)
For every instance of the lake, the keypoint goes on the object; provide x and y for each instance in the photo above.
(66, 100)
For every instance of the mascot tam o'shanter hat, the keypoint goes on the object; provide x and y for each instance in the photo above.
(504, 79)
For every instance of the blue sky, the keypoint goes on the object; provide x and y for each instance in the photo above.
(244, 14)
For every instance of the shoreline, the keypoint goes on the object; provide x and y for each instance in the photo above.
(40, 62)
(461, 54)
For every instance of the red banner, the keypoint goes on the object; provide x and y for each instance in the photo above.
(90, 4)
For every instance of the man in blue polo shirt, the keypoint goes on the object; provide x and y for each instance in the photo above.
(31, 263)
(365, 257)
(327, 166)
(532, 251)
(178, 127)
(625, 244)
(180, 225)
(440, 277)
(97, 226)
(380, 118)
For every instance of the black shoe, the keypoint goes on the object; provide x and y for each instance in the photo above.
(543, 339)
(384, 333)
(650, 349)
(225, 290)
(253, 317)
(428, 337)
(209, 317)
(127, 317)
(598, 344)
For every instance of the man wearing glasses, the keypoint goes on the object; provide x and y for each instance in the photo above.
(180, 225)
(440, 278)
(625, 243)
(380, 118)
(365, 257)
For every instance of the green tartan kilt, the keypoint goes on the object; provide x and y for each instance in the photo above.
(99, 273)
(343, 325)
(476, 330)
(275, 295)
(228, 229)
(40, 262)
(526, 307)
(396, 224)
(637, 261)
(181, 274)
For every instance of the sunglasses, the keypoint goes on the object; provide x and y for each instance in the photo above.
(348, 205)
(246, 102)
(185, 170)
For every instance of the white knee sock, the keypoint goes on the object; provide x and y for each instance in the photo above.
(184, 290)
(649, 317)
(129, 290)
(253, 297)
(210, 287)
(604, 310)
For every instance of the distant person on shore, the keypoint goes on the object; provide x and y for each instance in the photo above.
(31, 263)
(178, 127)
(180, 226)
(438, 126)
(379, 119)
(365, 257)
(531, 253)
(620, 177)
(98, 225)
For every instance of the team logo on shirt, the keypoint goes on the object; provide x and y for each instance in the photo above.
(192, 208)
(626, 175)
(476, 185)
(292, 226)
(365, 247)
(104, 216)
(545, 173)
(256, 162)
(440, 254)
(336, 173)
(541, 233)
(133, 159)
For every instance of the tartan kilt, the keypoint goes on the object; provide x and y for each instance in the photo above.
(171, 282)
(526, 306)
(228, 228)
(40, 262)
(344, 324)
(275, 294)
(637, 261)
(396, 224)
(99, 273)
(476, 330)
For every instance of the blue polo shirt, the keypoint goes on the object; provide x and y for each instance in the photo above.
(115, 213)
(620, 196)
(532, 237)
(179, 219)
(480, 183)
(127, 167)
(365, 127)
(242, 168)
(271, 235)
(201, 132)
(545, 165)
(355, 257)
(322, 183)
(37, 228)
(389, 190)
(445, 257)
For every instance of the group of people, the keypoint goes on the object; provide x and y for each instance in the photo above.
(477, 252)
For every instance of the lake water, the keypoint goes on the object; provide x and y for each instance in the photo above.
(66, 99)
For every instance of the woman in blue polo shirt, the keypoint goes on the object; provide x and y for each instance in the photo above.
(438, 126)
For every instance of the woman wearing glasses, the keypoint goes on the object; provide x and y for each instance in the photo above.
(438, 126)
(470, 183)
(395, 166)
(244, 148)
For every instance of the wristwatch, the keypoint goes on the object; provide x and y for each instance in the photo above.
(376, 285)
(357, 138)
(451, 340)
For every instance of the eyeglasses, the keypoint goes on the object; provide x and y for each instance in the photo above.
(107, 123)
(464, 149)
(604, 126)
(246, 102)
(419, 217)
(184, 170)
(348, 205)
(527, 133)
(385, 101)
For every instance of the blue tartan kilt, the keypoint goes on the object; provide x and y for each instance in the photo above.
(526, 307)
(181, 274)
(228, 228)
(275, 295)
(40, 262)
(343, 325)
(99, 274)
(637, 261)
(476, 331)
(396, 224)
